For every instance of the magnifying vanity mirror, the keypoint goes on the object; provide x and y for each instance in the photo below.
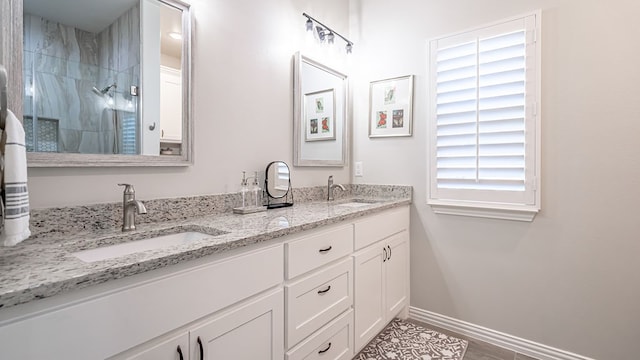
(320, 110)
(107, 83)
(277, 185)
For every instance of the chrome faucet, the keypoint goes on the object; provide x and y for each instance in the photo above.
(331, 186)
(130, 206)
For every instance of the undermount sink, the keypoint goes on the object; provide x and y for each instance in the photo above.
(355, 203)
(146, 244)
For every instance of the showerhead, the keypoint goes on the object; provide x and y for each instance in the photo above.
(103, 91)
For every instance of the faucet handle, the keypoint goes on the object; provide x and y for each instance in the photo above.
(330, 179)
(128, 189)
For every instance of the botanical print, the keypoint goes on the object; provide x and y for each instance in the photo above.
(398, 119)
(319, 105)
(325, 125)
(320, 115)
(402, 340)
(382, 120)
(390, 95)
(390, 107)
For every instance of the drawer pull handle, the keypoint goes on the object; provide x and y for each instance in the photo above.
(325, 250)
(201, 348)
(180, 353)
(389, 247)
(325, 349)
(320, 292)
(384, 256)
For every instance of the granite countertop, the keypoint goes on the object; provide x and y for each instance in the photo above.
(44, 266)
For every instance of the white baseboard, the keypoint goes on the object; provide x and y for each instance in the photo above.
(510, 342)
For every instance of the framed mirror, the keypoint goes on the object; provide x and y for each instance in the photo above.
(320, 112)
(107, 83)
(277, 185)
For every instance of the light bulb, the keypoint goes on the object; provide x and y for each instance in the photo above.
(321, 33)
(330, 37)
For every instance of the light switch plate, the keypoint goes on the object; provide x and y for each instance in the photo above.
(359, 171)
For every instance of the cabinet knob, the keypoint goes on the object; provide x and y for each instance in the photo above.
(323, 251)
(325, 349)
(320, 292)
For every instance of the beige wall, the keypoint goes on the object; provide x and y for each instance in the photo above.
(569, 279)
(242, 107)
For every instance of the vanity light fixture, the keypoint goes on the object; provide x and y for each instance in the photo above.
(326, 33)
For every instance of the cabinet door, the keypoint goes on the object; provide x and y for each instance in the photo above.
(170, 105)
(174, 347)
(368, 294)
(396, 274)
(251, 331)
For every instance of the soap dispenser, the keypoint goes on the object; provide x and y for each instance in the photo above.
(255, 189)
(244, 188)
(250, 205)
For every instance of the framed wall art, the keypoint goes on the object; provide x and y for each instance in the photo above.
(320, 115)
(390, 107)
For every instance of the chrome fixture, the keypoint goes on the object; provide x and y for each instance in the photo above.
(331, 186)
(130, 206)
(104, 90)
(325, 32)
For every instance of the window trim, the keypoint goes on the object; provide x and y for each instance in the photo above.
(487, 209)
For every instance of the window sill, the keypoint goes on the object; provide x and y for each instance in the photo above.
(491, 211)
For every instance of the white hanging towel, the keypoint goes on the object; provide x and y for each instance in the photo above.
(16, 212)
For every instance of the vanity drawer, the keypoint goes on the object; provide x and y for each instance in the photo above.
(381, 226)
(333, 342)
(311, 252)
(316, 299)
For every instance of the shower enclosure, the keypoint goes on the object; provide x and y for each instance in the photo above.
(81, 86)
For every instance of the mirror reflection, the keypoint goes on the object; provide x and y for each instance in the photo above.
(278, 185)
(87, 77)
(320, 108)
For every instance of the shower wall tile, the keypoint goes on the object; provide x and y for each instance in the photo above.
(69, 140)
(50, 64)
(66, 63)
(90, 142)
(50, 95)
(119, 44)
(58, 40)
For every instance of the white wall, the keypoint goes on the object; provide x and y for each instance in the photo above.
(569, 279)
(243, 115)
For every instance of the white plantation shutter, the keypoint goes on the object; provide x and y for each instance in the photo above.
(483, 116)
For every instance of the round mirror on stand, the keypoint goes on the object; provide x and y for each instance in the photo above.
(277, 185)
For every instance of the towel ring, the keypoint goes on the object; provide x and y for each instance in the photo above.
(3, 96)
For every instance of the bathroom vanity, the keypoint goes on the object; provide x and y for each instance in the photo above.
(316, 280)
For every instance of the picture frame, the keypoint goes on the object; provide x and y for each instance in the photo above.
(320, 115)
(391, 107)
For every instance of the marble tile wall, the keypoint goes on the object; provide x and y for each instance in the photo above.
(64, 63)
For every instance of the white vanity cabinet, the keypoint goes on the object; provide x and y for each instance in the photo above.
(138, 317)
(253, 330)
(319, 292)
(381, 273)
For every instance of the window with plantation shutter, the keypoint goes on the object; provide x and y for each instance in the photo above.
(484, 121)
